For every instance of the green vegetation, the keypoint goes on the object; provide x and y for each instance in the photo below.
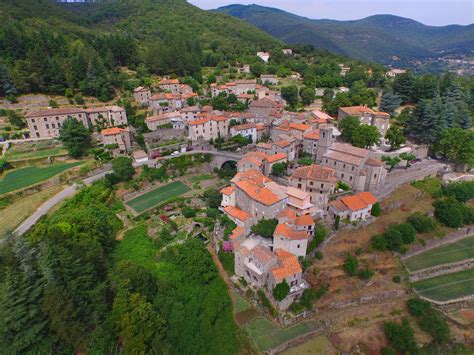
(376, 210)
(281, 290)
(395, 238)
(158, 196)
(401, 337)
(421, 222)
(227, 260)
(450, 253)
(447, 287)
(453, 213)
(75, 137)
(266, 335)
(461, 191)
(265, 227)
(16, 155)
(429, 319)
(24, 177)
(351, 265)
(123, 169)
(430, 185)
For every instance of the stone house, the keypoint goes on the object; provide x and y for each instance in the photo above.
(47, 123)
(141, 95)
(119, 136)
(170, 85)
(367, 116)
(310, 142)
(353, 165)
(109, 116)
(248, 130)
(154, 122)
(353, 208)
(319, 181)
(269, 79)
(209, 127)
(265, 56)
(190, 113)
(166, 102)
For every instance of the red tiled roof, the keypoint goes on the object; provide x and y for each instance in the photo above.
(368, 198)
(198, 122)
(227, 190)
(282, 143)
(236, 213)
(288, 265)
(111, 131)
(283, 230)
(300, 126)
(312, 135)
(315, 172)
(276, 157)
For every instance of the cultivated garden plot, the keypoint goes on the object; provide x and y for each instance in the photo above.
(458, 251)
(21, 178)
(447, 287)
(159, 195)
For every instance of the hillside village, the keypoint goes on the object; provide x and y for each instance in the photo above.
(271, 201)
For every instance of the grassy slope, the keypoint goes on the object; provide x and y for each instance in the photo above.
(12, 215)
(159, 195)
(450, 253)
(21, 178)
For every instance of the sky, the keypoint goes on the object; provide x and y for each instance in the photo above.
(429, 12)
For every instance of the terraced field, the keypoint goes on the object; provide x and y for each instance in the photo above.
(159, 195)
(24, 177)
(450, 253)
(447, 287)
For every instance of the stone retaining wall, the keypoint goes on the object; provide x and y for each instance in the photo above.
(439, 270)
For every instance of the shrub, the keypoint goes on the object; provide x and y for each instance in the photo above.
(462, 191)
(396, 279)
(401, 336)
(281, 290)
(450, 212)
(421, 222)
(264, 301)
(365, 274)
(265, 227)
(319, 235)
(336, 222)
(123, 168)
(376, 210)
(318, 255)
(188, 212)
(350, 265)
(407, 232)
(429, 319)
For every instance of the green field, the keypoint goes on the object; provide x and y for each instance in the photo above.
(267, 335)
(159, 195)
(319, 344)
(20, 178)
(447, 287)
(450, 253)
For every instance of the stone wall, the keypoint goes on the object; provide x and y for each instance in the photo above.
(439, 270)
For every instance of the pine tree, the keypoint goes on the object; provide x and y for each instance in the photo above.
(390, 102)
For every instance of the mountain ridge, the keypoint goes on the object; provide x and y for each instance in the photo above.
(374, 38)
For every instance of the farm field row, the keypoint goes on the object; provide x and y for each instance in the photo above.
(450, 253)
(159, 195)
(265, 334)
(17, 155)
(24, 177)
(447, 287)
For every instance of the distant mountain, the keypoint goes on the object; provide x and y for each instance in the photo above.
(375, 38)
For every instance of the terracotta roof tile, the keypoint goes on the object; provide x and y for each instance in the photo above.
(283, 230)
(111, 131)
(288, 265)
(227, 190)
(312, 135)
(236, 213)
(276, 157)
(315, 172)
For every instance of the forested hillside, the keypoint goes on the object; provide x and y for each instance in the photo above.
(49, 47)
(69, 286)
(375, 38)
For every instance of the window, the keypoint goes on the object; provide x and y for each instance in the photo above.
(334, 163)
(33, 120)
(299, 186)
(298, 246)
(53, 125)
(322, 185)
(342, 176)
(311, 183)
(353, 168)
(35, 127)
(45, 119)
(326, 160)
(375, 176)
(47, 126)
(350, 179)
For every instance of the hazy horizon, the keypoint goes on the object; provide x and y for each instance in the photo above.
(428, 12)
